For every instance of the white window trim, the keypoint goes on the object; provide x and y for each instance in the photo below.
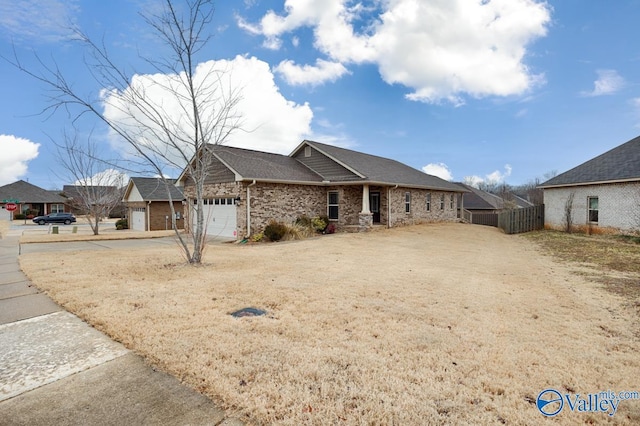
(336, 205)
(407, 202)
(589, 209)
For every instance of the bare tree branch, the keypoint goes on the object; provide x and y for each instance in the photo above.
(153, 136)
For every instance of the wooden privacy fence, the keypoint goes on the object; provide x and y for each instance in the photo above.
(489, 219)
(510, 221)
(521, 220)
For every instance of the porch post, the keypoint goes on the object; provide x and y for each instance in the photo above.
(365, 218)
(366, 209)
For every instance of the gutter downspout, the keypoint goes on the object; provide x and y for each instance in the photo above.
(148, 216)
(389, 205)
(249, 208)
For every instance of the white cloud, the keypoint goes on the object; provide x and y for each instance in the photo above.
(473, 180)
(494, 178)
(322, 72)
(608, 83)
(270, 122)
(16, 154)
(107, 177)
(438, 169)
(43, 20)
(440, 50)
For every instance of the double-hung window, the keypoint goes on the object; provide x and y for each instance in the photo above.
(407, 202)
(451, 201)
(429, 202)
(593, 209)
(441, 201)
(332, 205)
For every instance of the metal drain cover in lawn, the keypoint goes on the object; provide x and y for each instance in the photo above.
(248, 312)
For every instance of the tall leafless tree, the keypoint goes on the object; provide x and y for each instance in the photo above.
(157, 139)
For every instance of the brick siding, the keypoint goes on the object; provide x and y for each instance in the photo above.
(418, 213)
(287, 202)
(618, 206)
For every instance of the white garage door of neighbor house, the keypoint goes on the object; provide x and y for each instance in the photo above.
(5, 214)
(220, 217)
(138, 216)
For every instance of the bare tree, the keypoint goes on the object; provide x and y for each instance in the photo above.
(97, 190)
(568, 213)
(531, 191)
(158, 140)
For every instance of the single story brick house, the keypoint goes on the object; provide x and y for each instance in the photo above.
(605, 190)
(31, 199)
(357, 191)
(147, 202)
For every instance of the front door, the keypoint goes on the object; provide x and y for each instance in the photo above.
(374, 205)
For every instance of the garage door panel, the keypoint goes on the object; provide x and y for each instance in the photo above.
(221, 220)
(138, 220)
(220, 216)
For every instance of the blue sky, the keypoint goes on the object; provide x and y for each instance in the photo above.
(503, 90)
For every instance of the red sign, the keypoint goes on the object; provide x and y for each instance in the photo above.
(11, 206)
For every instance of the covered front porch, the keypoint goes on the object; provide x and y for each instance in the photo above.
(367, 207)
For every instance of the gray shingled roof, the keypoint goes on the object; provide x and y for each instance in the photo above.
(481, 200)
(264, 166)
(619, 164)
(28, 193)
(154, 189)
(383, 170)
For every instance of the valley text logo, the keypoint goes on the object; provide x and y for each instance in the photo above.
(550, 402)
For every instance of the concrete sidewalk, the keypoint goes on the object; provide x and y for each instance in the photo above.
(56, 369)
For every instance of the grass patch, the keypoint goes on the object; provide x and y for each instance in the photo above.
(4, 228)
(611, 260)
(614, 253)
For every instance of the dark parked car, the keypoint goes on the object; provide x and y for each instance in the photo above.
(65, 218)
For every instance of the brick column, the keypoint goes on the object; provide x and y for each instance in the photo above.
(365, 221)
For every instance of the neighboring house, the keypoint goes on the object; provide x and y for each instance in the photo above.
(479, 201)
(147, 202)
(355, 190)
(31, 200)
(80, 197)
(605, 190)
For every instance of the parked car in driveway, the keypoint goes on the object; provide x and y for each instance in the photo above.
(65, 218)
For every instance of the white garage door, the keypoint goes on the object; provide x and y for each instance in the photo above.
(220, 216)
(5, 214)
(138, 216)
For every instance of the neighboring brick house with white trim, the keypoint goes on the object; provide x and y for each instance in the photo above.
(606, 192)
(31, 198)
(356, 191)
(148, 207)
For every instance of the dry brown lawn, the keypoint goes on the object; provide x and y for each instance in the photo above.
(432, 324)
(4, 228)
(88, 236)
